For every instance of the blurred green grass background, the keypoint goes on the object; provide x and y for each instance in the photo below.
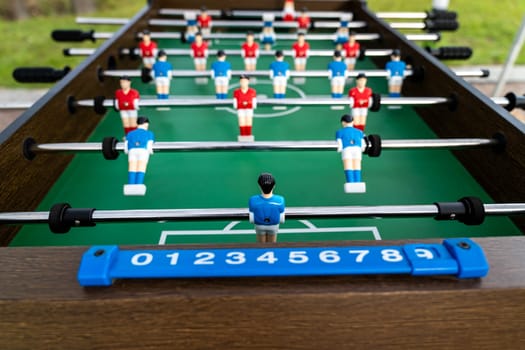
(488, 26)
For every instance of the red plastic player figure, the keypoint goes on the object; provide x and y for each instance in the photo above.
(360, 100)
(245, 101)
(127, 103)
(289, 11)
(204, 21)
(351, 50)
(148, 49)
(250, 52)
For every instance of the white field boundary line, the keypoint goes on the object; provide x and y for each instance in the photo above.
(229, 231)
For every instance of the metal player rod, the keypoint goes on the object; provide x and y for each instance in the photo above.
(15, 105)
(228, 52)
(108, 216)
(216, 23)
(311, 14)
(306, 74)
(75, 35)
(310, 101)
(456, 143)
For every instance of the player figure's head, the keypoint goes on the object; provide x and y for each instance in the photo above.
(289, 5)
(198, 38)
(266, 182)
(304, 11)
(249, 37)
(279, 55)
(146, 36)
(244, 81)
(221, 55)
(347, 120)
(351, 37)
(396, 55)
(300, 38)
(204, 11)
(162, 56)
(360, 80)
(143, 123)
(125, 82)
(337, 55)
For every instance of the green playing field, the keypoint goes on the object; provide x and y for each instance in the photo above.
(228, 179)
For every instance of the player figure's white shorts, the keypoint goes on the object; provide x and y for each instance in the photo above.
(245, 112)
(338, 81)
(250, 61)
(138, 154)
(266, 229)
(131, 113)
(350, 60)
(359, 112)
(148, 61)
(200, 61)
(300, 61)
(352, 152)
(222, 81)
(395, 81)
(280, 80)
(162, 81)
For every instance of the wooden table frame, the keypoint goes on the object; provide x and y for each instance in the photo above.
(43, 306)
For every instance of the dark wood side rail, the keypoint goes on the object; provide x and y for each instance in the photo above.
(43, 306)
(500, 174)
(24, 183)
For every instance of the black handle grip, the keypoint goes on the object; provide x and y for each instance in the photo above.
(450, 52)
(72, 35)
(436, 25)
(442, 14)
(39, 74)
(515, 101)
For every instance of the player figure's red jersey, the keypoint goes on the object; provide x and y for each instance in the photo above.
(301, 50)
(125, 102)
(351, 50)
(199, 51)
(244, 99)
(303, 22)
(204, 22)
(147, 50)
(250, 51)
(361, 98)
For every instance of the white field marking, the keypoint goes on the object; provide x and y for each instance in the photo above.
(163, 109)
(279, 108)
(307, 223)
(337, 108)
(271, 115)
(230, 225)
(164, 234)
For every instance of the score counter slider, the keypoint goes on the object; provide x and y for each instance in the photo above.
(460, 257)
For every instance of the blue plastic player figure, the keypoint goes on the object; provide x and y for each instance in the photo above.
(337, 75)
(396, 72)
(268, 35)
(221, 72)
(279, 73)
(350, 144)
(191, 26)
(266, 210)
(161, 72)
(138, 146)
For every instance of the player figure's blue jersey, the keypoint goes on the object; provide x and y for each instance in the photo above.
(266, 211)
(396, 68)
(268, 38)
(161, 69)
(139, 138)
(221, 68)
(279, 68)
(350, 137)
(337, 68)
(340, 38)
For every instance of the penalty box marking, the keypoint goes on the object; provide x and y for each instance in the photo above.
(228, 230)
